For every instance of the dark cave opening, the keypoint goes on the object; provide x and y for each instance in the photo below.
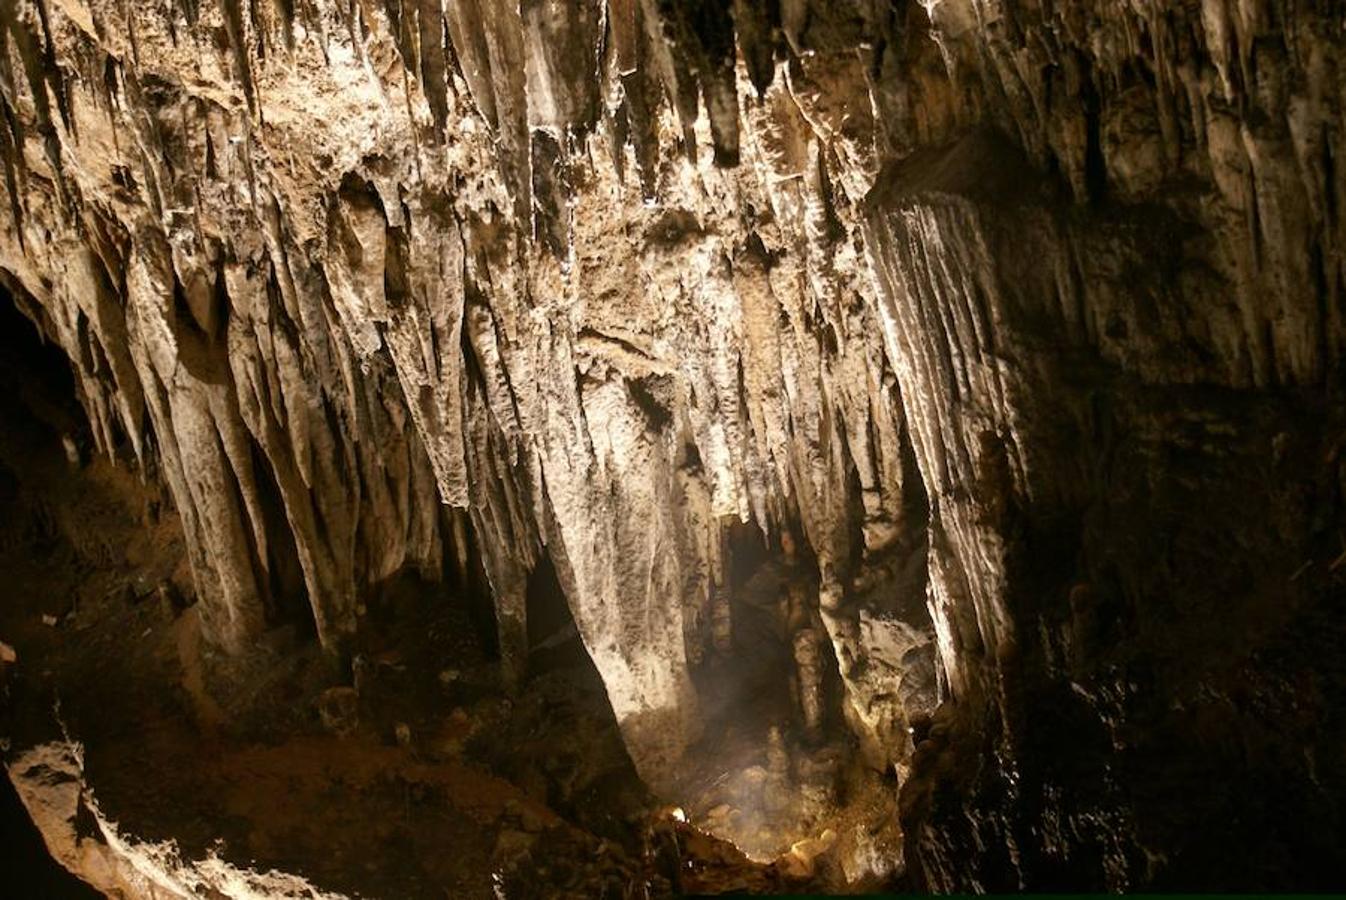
(749, 551)
(39, 391)
(772, 761)
(464, 569)
(44, 428)
(553, 638)
(280, 574)
(772, 591)
(38, 407)
(756, 675)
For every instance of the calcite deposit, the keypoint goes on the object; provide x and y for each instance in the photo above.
(1010, 330)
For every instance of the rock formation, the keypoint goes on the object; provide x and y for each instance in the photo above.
(1024, 320)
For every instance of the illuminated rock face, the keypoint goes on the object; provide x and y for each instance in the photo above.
(1028, 315)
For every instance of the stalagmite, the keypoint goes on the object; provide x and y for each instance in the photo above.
(809, 673)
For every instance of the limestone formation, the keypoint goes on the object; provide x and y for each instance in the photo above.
(1025, 320)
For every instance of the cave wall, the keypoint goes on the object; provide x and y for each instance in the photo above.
(1036, 286)
(401, 255)
(1115, 318)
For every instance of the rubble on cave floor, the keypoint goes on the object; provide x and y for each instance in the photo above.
(475, 792)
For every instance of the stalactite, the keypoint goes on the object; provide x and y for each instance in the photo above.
(669, 269)
(238, 43)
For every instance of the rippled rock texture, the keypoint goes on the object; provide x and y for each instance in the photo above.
(1021, 322)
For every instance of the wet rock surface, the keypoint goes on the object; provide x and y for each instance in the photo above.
(866, 397)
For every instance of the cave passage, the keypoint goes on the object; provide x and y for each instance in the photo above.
(769, 768)
(553, 638)
(636, 448)
(37, 408)
(40, 404)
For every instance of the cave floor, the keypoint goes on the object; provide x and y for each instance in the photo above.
(532, 794)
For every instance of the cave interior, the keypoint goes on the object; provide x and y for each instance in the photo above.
(629, 448)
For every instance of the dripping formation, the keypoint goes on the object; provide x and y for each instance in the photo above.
(932, 402)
